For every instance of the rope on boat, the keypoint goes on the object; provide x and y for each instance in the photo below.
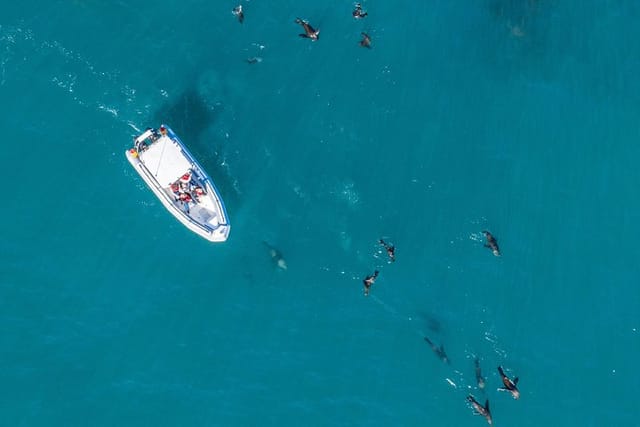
(161, 155)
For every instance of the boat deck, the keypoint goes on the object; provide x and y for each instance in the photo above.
(165, 161)
(180, 182)
(203, 211)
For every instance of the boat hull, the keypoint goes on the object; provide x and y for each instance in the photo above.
(207, 217)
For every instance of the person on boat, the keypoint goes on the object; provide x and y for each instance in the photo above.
(175, 187)
(309, 31)
(186, 177)
(368, 281)
(185, 182)
(358, 13)
(391, 250)
(163, 131)
(185, 197)
(198, 192)
(237, 11)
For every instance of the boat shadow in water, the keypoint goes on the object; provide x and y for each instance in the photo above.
(189, 115)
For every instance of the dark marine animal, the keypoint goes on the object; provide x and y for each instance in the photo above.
(492, 243)
(438, 350)
(368, 281)
(276, 256)
(309, 31)
(509, 385)
(358, 13)
(478, 409)
(391, 250)
(366, 41)
(479, 377)
(237, 11)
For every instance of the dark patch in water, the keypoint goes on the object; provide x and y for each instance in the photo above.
(522, 28)
(520, 18)
(189, 115)
(434, 324)
(513, 9)
(431, 322)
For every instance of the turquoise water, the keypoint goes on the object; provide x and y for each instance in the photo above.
(520, 117)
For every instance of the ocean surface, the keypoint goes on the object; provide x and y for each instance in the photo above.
(516, 116)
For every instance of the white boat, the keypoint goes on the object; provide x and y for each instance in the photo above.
(180, 183)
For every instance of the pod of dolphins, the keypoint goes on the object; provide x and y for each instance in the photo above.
(310, 32)
(509, 385)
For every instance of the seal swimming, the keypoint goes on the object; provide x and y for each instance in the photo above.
(492, 243)
(358, 13)
(478, 409)
(509, 385)
(391, 250)
(254, 60)
(366, 41)
(276, 256)
(368, 281)
(439, 351)
(479, 377)
(309, 31)
(237, 11)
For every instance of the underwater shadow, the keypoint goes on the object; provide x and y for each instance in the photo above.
(429, 321)
(189, 115)
(523, 44)
(522, 18)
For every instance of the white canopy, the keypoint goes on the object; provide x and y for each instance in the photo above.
(165, 160)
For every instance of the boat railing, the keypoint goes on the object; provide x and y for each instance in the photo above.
(146, 134)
